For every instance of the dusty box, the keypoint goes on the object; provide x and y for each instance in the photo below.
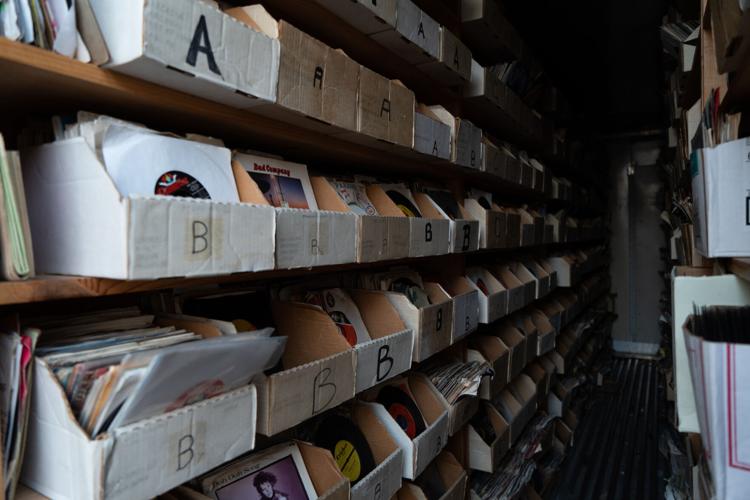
(493, 297)
(385, 479)
(190, 46)
(181, 444)
(314, 80)
(377, 237)
(454, 60)
(82, 225)
(516, 290)
(722, 207)
(427, 236)
(545, 330)
(431, 136)
(418, 453)
(367, 16)
(416, 38)
(464, 231)
(491, 349)
(514, 340)
(483, 456)
(492, 224)
(431, 325)
(385, 109)
(465, 299)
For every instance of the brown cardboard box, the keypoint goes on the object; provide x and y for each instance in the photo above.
(385, 109)
(454, 65)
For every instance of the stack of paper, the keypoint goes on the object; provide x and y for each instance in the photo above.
(16, 257)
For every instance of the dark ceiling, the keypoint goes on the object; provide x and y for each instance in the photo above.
(605, 55)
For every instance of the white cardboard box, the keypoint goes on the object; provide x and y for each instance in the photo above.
(516, 290)
(491, 349)
(463, 232)
(367, 16)
(468, 150)
(309, 238)
(416, 38)
(486, 457)
(190, 46)
(465, 298)
(492, 224)
(454, 60)
(141, 460)
(494, 305)
(82, 225)
(385, 479)
(721, 183)
(418, 453)
(432, 137)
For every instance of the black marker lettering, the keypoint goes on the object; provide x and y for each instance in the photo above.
(185, 447)
(439, 320)
(421, 30)
(386, 106)
(428, 232)
(318, 77)
(320, 386)
(384, 358)
(200, 236)
(467, 237)
(201, 43)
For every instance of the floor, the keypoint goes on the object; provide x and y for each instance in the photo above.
(615, 453)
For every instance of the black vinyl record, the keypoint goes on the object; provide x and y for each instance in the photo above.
(406, 206)
(347, 444)
(403, 409)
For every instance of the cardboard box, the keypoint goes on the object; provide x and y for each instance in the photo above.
(530, 283)
(468, 145)
(541, 275)
(522, 321)
(463, 232)
(542, 378)
(513, 236)
(465, 297)
(560, 396)
(547, 266)
(493, 305)
(545, 330)
(722, 207)
(385, 478)
(517, 404)
(516, 290)
(82, 225)
(493, 159)
(191, 46)
(427, 236)
(377, 237)
(314, 80)
(454, 476)
(432, 325)
(385, 109)
(416, 38)
(366, 16)
(693, 287)
(554, 312)
(460, 412)
(181, 444)
(486, 457)
(307, 238)
(418, 453)
(491, 349)
(512, 167)
(485, 87)
(567, 272)
(514, 340)
(431, 136)
(453, 66)
(492, 224)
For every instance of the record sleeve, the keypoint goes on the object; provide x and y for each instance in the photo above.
(278, 473)
(446, 202)
(349, 447)
(146, 164)
(483, 197)
(401, 196)
(354, 195)
(343, 311)
(399, 403)
(283, 183)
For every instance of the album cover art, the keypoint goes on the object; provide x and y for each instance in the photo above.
(281, 191)
(276, 474)
(283, 183)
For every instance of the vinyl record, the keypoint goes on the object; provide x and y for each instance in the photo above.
(145, 163)
(446, 202)
(347, 444)
(404, 203)
(403, 409)
(482, 286)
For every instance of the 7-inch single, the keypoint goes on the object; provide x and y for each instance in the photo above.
(403, 409)
(347, 444)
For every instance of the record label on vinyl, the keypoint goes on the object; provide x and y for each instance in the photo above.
(403, 409)
(350, 449)
(176, 183)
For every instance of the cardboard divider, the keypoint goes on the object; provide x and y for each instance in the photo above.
(516, 342)
(490, 349)
(554, 311)
(431, 136)
(541, 378)
(464, 233)
(454, 476)
(545, 331)
(483, 456)
(113, 464)
(465, 297)
(102, 234)
(513, 231)
(515, 288)
(523, 390)
(541, 275)
(547, 266)
(523, 322)
(492, 224)
(494, 304)
(385, 479)
(377, 237)
(493, 161)
(460, 412)
(418, 453)
(530, 283)
(163, 52)
(528, 229)
(432, 325)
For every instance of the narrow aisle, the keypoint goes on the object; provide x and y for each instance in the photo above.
(615, 452)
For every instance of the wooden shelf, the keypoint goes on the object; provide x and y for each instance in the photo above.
(740, 267)
(49, 288)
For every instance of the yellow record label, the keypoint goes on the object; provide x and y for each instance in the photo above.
(347, 459)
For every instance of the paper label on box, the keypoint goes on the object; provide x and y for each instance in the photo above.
(196, 38)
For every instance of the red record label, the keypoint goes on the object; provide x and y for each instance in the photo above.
(404, 418)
